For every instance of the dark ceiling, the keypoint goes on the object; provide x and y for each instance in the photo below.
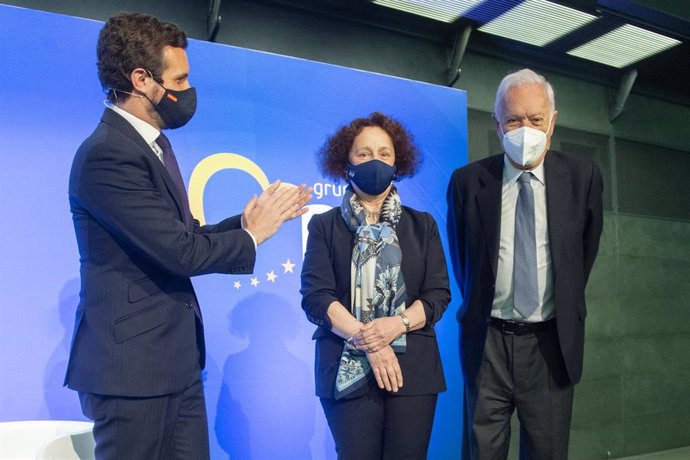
(665, 75)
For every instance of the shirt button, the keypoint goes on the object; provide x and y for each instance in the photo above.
(188, 305)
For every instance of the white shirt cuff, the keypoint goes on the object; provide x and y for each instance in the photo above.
(250, 233)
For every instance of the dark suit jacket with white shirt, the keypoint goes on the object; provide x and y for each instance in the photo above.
(575, 221)
(136, 330)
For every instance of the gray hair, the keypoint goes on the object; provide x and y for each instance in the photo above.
(523, 77)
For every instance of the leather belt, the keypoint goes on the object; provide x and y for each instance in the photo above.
(521, 327)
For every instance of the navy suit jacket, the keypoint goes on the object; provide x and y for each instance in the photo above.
(326, 278)
(575, 220)
(138, 330)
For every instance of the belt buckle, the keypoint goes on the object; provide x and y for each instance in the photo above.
(504, 327)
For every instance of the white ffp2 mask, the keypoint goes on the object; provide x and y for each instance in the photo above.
(525, 144)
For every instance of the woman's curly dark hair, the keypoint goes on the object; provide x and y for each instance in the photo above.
(333, 160)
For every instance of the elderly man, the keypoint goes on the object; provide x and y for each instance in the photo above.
(524, 229)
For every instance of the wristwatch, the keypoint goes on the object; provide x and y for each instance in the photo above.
(405, 320)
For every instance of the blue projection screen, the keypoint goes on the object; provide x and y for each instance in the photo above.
(261, 117)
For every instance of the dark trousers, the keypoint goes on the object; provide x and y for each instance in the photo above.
(165, 427)
(524, 373)
(381, 426)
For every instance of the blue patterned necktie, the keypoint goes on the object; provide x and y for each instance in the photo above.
(525, 294)
(174, 171)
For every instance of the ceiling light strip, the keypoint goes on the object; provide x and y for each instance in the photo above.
(624, 46)
(537, 22)
(441, 10)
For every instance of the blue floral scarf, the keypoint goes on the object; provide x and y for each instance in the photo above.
(377, 285)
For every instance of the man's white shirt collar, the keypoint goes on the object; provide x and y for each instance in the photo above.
(511, 173)
(145, 130)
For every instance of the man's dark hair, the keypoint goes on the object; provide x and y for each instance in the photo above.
(129, 41)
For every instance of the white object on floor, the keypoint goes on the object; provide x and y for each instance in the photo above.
(46, 440)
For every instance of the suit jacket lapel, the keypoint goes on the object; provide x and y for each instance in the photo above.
(557, 187)
(111, 118)
(489, 205)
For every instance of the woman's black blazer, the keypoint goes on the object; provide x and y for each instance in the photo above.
(326, 278)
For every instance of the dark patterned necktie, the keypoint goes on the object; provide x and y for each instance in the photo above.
(174, 171)
(525, 294)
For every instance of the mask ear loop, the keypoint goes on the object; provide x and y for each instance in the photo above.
(150, 74)
(109, 103)
(548, 127)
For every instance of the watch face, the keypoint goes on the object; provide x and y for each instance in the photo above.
(405, 320)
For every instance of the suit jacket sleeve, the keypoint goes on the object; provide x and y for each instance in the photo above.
(456, 232)
(116, 187)
(595, 221)
(318, 279)
(435, 295)
(231, 223)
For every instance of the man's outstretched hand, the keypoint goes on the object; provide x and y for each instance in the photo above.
(279, 203)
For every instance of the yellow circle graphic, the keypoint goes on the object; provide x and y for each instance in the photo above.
(211, 165)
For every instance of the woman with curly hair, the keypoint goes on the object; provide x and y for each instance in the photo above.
(374, 281)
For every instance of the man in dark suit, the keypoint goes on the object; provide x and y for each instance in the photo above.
(138, 345)
(524, 231)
